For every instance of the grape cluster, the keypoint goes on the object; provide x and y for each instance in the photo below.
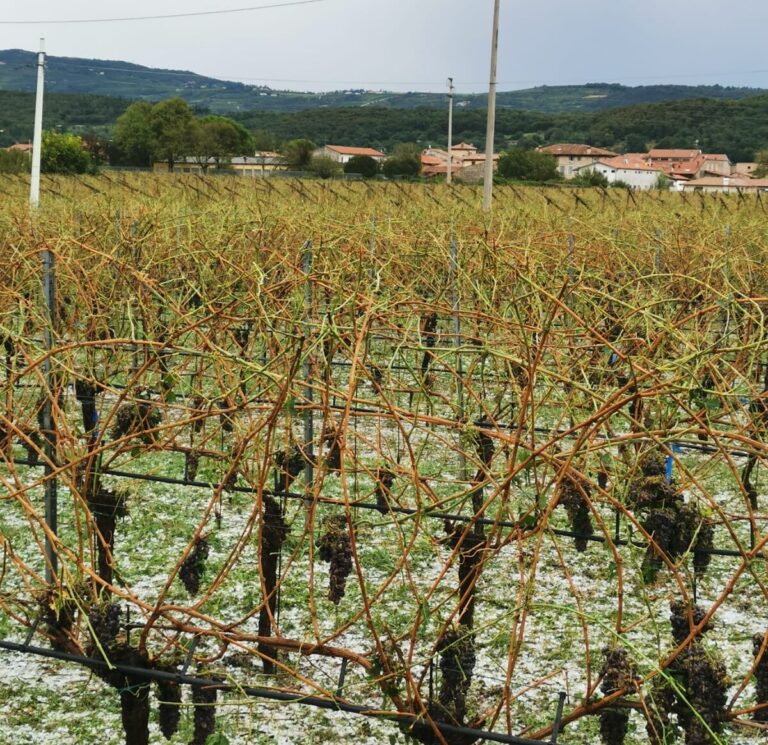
(761, 677)
(58, 613)
(225, 418)
(705, 681)
(104, 620)
(678, 619)
(333, 458)
(385, 479)
(677, 528)
(573, 496)
(651, 490)
(192, 569)
(290, 464)
(85, 393)
(204, 700)
(335, 546)
(169, 709)
(33, 445)
(138, 418)
(618, 673)
(197, 411)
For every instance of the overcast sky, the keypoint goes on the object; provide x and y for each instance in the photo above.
(417, 44)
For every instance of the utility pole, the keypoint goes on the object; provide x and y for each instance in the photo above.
(37, 139)
(449, 174)
(491, 130)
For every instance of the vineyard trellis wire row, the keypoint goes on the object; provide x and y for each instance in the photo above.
(535, 419)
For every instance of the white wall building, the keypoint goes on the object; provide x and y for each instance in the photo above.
(635, 172)
(343, 154)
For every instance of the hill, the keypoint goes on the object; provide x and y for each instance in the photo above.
(128, 80)
(738, 128)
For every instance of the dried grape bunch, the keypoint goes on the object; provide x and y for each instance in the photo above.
(618, 673)
(705, 681)
(659, 705)
(457, 663)
(761, 678)
(661, 525)
(85, 393)
(225, 417)
(104, 621)
(333, 458)
(169, 708)
(136, 418)
(204, 700)
(678, 619)
(290, 466)
(385, 480)
(197, 412)
(651, 489)
(59, 612)
(275, 528)
(192, 569)
(191, 464)
(573, 496)
(335, 546)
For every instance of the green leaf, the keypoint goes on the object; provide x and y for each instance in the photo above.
(217, 738)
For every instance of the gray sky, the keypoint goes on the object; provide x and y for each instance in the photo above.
(417, 44)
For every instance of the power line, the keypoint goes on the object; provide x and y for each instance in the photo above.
(193, 14)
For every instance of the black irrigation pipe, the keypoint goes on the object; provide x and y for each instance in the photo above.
(407, 511)
(271, 694)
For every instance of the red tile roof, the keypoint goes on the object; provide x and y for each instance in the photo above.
(344, 150)
(665, 154)
(630, 162)
(576, 149)
(24, 146)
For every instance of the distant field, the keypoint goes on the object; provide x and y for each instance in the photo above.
(363, 446)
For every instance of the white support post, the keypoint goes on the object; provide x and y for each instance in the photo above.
(449, 174)
(37, 139)
(491, 129)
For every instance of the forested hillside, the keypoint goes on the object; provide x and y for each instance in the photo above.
(738, 128)
(128, 80)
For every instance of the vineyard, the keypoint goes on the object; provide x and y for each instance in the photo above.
(292, 461)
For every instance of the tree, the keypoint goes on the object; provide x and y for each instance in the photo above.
(14, 161)
(173, 130)
(761, 158)
(364, 165)
(298, 153)
(404, 161)
(63, 153)
(528, 165)
(324, 167)
(133, 136)
(590, 177)
(218, 138)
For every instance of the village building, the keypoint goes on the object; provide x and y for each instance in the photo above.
(343, 154)
(571, 157)
(633, 170)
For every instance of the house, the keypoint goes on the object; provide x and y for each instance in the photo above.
(260, 165)
(726, 184)
(24, 147)
(679, 164)
(743, 169)
(571, 157)
(716, 164)
(632, 169)
(343, 154)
